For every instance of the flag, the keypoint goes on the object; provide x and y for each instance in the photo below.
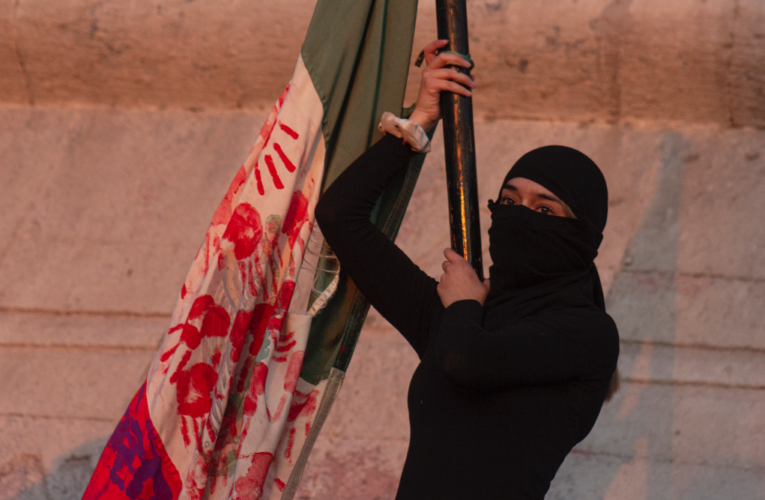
(266, 323)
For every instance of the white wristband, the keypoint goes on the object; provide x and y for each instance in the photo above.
(412, 133)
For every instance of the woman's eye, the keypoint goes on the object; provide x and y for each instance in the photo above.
(507, 201)
(546, 210)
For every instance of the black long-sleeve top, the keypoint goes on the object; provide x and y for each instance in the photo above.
(493, 413)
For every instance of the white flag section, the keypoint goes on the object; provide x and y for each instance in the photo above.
(223, 412)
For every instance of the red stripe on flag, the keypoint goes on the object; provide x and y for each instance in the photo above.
(287, 163)
(279, 484)
(260, 181)
(286, 347)
(288, 131)
(274, 174)
(284, 95)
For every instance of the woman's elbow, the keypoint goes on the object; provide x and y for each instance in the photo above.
(326, 215)
(338, 222)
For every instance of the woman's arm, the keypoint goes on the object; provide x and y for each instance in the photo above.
(398, 289)
(392, 283)
(556, 347)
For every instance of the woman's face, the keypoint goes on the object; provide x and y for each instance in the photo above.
(522, 191)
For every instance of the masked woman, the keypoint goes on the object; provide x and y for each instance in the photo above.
(511, 376)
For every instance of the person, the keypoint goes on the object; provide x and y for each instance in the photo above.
(513, 372)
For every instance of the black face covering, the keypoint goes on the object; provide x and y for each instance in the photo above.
(543, 261)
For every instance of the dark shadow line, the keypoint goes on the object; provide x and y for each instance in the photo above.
(704, 347)
(121, 349)
(106, 314)
(58, 417)
(630, 458)
(747, 279)
(680, 383)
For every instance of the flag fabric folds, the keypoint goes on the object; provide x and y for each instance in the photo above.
(266, 322)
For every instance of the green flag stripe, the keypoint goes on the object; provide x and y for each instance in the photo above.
(357, 53)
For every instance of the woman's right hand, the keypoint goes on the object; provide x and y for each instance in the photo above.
(436, 77)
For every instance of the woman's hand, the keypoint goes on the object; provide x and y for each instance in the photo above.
(436, 77)
(459, 281)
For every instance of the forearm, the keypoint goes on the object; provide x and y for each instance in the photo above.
(391, 282)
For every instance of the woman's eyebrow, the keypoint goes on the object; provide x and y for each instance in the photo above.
(510, 187)
(548, 197)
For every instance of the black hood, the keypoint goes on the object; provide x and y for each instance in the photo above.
(543, 261)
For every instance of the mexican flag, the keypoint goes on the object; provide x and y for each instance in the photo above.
(266, 321)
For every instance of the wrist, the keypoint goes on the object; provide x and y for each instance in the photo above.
(422, 120)
(410, 131)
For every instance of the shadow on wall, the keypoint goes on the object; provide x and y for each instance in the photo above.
(23, 477)
(638, 448)
(650, 261)
(629, 452)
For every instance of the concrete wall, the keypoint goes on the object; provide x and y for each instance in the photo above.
(606, 60)
(108, 180)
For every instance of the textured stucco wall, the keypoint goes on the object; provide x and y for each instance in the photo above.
(603, 60)
(102, 211)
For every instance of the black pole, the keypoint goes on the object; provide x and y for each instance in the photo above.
(459, 143)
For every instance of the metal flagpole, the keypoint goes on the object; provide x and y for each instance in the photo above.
(459, 142)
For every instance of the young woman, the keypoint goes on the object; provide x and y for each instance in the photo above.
(511, 375)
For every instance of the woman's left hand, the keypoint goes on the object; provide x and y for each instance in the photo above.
(459, 281)
(438, 76)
